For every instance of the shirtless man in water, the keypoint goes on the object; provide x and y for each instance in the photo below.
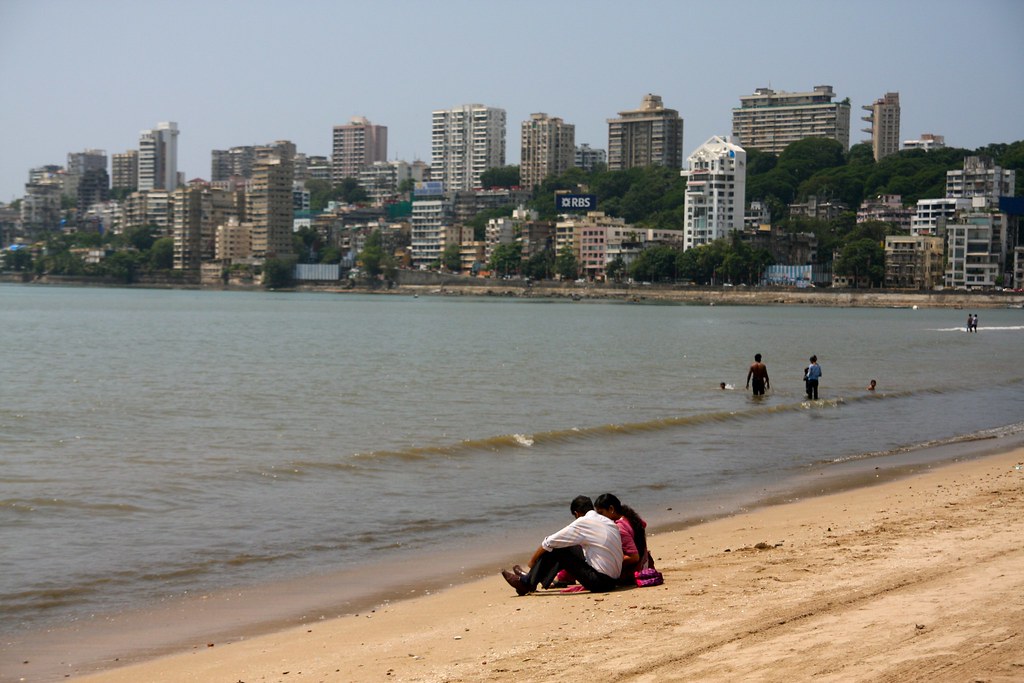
(759, 373)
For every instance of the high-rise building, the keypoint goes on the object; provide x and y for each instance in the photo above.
(270, 205)
(715, 191)
(770, 121)
(357, 144)
(158, 158)
(885, 125)
(124, 171)
(465, 142)
(588, 157)
(79, 163)
(548, 148)
(981, 177)
(198, 211)
(649, 136)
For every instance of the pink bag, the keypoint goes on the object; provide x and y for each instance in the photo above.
(648, 577)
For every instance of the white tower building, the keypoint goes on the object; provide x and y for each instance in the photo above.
(158, 158)
(716, 188)
(465, 142)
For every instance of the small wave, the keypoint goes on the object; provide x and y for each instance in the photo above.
(28, 505)
(368, 460)
(981, 435)
(983, 328)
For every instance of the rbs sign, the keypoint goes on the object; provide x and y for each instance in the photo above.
(575, 202)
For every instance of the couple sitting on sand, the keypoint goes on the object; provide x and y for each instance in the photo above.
(602, 548)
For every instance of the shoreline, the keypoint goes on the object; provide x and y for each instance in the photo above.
(446, 602)
(633, 294)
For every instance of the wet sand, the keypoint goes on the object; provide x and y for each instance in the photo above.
(916, 579)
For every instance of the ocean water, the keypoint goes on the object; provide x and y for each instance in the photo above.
(156, 444)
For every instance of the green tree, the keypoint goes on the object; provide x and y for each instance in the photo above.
(501, 176)
(372, 255)
(121, 265)
(655, 264)
(161, 255)
(615, 269)
(451, 258)
(540, 266)
(141, 237)
(566, 264)
(862, 258)
(506, 259)
(278, 273)
(18, 260)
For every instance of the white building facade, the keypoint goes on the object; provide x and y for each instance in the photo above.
(716, 185)
(158, 158)
(466, 141)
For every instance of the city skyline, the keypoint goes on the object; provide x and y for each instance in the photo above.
(389, 62)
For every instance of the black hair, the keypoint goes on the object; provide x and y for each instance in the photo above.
(581, 504)
(757, 357)
(608, 501)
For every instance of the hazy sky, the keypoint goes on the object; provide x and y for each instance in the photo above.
(91, 74)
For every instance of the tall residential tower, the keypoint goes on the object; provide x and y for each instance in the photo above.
(715, 191)
(885, 125)
(649, 136)
(356, 145)
(465, 142)
(548, 148)
(158, 158)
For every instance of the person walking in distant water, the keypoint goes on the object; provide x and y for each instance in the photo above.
(974, 323)
(970, 322)
(872, 385)
(811, 376)
(759, 373)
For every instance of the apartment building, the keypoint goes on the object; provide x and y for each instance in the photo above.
(649, 136)
(975, 248)
(80, 163)
(932, 215)
(198, 211)
(431, 215)
(149, 208)
(886, 208)
(588, 157)
(548, 148)
(124, 171)
(233, 241)
(927, 142)
(158, 158)
(884, 128)
(770, 121)
(269, 203)
(981, 177)
(466, 141)
(715, 191)
(356, 144)
(381, 179)
(914, 262)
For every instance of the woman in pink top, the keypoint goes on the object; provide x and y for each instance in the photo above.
(632, 530)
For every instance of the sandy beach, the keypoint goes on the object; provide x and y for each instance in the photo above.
(916, 579)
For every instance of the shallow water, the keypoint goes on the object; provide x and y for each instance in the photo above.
(156, 443)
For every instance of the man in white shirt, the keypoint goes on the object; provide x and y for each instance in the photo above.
(590, 548)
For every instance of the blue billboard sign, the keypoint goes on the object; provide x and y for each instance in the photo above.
(575, 202)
